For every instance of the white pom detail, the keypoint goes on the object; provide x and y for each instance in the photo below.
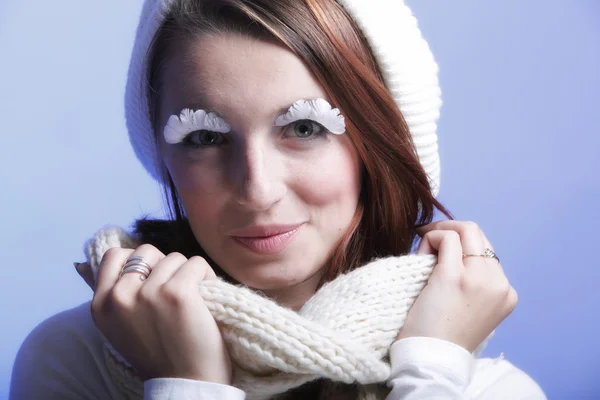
(318, 110)
(188, 121)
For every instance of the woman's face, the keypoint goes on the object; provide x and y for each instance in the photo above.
(267, 203)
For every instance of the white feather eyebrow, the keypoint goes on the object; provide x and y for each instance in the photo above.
(318, 110)
(188, 121)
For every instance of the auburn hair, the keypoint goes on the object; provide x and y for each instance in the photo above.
(396, 196)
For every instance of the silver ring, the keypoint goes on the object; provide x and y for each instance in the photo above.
(138, 258)
(489, 253)
(145, 272)
(137, 262)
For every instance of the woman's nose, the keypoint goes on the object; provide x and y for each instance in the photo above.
(257, 177)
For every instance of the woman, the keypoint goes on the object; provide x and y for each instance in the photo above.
(296, 142)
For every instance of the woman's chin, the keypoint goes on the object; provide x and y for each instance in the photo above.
(270, 278)
(271, 282)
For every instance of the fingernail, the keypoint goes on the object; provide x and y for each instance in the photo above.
(78, 268)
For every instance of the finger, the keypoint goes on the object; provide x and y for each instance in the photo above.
(192, 272)
(425, 247)
(445, 243)
(85, 271)
(164, 270)
(183, 287)
(196, 268)
(492, 262)
(131, 282)
(109, 272)
(422, 230)
(471, 237)
(200, 267)
(209, 273)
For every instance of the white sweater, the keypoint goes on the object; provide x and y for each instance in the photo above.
(63, 358)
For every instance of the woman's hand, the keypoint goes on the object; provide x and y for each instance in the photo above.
(160, 325)
(465, 299)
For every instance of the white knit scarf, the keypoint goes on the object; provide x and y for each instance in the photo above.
(342, 333)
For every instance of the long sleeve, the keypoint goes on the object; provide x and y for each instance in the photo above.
(422, 368)
(429, 368)
(186, 389)
(63, 358)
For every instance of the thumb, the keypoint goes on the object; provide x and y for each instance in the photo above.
(85, 271)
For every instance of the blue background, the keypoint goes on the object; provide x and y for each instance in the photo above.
(519, 136)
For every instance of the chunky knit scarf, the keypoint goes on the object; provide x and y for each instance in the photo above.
(342, 333)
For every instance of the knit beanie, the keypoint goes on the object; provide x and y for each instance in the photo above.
(403, 56)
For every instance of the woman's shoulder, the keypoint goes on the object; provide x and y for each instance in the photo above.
(63, 357)
(498, 378)
(74, 323)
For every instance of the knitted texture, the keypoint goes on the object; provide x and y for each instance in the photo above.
(342, 333)
(405, 60)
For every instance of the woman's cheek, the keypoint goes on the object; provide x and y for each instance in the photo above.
(199, 186)
(333, 178)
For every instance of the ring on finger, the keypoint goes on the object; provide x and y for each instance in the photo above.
(144, 271)
(137, 264)
(488, 253)
(141, 262)
(136, 260)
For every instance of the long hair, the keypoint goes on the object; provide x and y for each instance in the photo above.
(396, 196)
(395, 193)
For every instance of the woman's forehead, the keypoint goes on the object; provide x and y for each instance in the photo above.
(235, 75)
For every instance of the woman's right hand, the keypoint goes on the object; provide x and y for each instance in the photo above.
(465, 299)
(160, 325)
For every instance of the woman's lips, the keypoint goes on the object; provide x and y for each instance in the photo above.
(271, 244)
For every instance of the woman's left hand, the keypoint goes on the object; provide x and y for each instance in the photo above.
(465, 298)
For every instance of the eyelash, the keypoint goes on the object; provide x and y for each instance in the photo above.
(187, 141)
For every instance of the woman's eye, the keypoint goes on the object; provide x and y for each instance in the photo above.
(204, 138)
(306, 128)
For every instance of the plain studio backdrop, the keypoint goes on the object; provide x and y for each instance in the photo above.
(519, 139)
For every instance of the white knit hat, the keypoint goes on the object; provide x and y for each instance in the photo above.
(409, 69)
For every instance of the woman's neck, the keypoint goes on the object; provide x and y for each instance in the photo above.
(295, 296)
